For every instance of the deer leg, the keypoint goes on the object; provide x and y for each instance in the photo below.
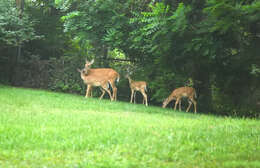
(176, 102)
(195, 105)
(144, 97)
(90, 92)
(108, 91)
(190, 103)
(103, 93)
(115, 93)
(87, 91)
(86, 95)
(132, 94)
(114, 89)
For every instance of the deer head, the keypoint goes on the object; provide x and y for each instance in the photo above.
(82, 73)
(165, 102)
(88, 65)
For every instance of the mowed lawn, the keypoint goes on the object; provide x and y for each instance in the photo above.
(42, 129)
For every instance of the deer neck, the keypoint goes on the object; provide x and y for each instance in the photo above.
(82, 75)
(130, 80)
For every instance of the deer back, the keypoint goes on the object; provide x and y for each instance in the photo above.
(108, 73)
(183, 92)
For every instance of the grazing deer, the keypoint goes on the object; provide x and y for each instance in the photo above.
(109, 73)
(178, 94)
(92, 80)
(137, 86)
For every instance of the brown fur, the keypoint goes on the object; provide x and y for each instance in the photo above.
(137, 86)
(107, 73)
(179, 93)
(92, 80)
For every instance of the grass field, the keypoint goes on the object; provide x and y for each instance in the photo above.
(43, 129)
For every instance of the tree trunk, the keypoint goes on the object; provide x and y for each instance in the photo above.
(16, 60)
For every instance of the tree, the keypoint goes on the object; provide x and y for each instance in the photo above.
(16, 28)
(211, 45)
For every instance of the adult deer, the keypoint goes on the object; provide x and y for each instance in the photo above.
(92, 80)
(110, 74)
(137, 86)
(178, 94)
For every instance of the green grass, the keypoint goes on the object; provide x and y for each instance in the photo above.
(43, 129)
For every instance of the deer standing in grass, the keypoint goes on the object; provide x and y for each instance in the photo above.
(137, 86)
(110, 74)
(92, 80)
(178, 94)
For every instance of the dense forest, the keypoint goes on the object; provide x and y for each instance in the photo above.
(211, 45)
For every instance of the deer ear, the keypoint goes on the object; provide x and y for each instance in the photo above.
(79, 70)
(91, 62)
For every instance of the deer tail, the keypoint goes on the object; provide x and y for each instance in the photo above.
(145, 88)
(118, 78)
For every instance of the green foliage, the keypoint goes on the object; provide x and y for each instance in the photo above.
(179, 18)
(255, 70)
(15, 29)
(177, 42)
(70, 16)
(170, 43)
(64, 76)
(153, 25)
(96, 21)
